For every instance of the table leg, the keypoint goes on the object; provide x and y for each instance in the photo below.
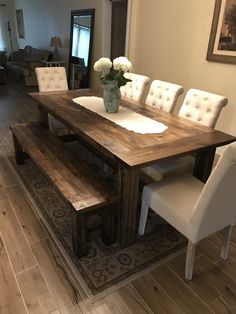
(43, 116)
(19, 154)
(128, 214)
(203, 164)
(79, 234)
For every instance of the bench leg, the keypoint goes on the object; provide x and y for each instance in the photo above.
(79, 234)
(19, 154)
(109, 224)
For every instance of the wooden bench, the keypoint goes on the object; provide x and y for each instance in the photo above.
(80, 188)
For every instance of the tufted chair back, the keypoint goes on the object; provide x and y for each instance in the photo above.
(163, 95)
(202, 107)
(134, 89)
(51, 79)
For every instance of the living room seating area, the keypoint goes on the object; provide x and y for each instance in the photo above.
(22, 63)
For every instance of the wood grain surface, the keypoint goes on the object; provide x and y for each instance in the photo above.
(132, 149)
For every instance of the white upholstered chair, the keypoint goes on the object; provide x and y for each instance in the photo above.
(195, 209)
(163, 95)
(202, 107)
(198, 106)
(52, 79)
(135, 88)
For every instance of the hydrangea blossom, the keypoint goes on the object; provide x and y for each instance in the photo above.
(113, 71)
(122, 63)
(103, 65)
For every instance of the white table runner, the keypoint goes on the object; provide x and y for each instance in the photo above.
(126, 118)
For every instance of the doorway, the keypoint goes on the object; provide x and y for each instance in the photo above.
(118, 27)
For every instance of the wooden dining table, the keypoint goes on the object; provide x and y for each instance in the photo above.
(127, 151)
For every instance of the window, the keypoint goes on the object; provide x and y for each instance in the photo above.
(1, 40)
(81, 39)
(2, 46)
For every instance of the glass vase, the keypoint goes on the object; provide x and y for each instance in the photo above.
(111, 96)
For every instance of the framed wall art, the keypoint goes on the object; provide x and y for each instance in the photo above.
(222, 42)
(20, 23)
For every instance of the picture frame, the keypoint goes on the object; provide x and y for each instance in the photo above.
(20, 23)
(222, 41)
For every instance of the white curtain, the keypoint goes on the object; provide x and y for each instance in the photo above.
(1, 41)
(81, 38)
(75, 47)
(2, 45)
(4, 34)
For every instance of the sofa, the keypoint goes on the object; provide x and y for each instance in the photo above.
(3, 58)
(22, 63)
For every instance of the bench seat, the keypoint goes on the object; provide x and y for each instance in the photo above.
(80, 188)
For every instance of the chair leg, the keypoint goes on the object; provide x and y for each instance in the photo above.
(50, 124)
(143, 218)
(189, 260)
(226, 239)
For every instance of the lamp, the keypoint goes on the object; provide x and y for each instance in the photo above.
(55, 42)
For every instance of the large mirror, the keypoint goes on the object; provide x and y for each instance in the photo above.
(81, 40)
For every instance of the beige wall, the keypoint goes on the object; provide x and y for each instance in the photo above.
(169, 40)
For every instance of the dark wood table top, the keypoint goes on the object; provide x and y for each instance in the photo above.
(126, 147)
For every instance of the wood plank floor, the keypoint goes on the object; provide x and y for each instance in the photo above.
(33, 278)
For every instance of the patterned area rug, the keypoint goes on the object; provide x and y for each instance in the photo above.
(103, 266)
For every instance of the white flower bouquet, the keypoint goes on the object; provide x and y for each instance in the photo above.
(113, 71)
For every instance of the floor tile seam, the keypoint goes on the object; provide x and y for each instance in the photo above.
(139, 295)
(186, 285)
(22, 230)
(51, 295)
(14, 274)
(166, 293)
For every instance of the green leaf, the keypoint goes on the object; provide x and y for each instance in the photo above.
(121, 81)
(115, 75)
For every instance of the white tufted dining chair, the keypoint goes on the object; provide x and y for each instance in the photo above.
(194, 209)
(134, 89)
(52, 79)
(198, 106)
(202, 107)
(163, 95)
